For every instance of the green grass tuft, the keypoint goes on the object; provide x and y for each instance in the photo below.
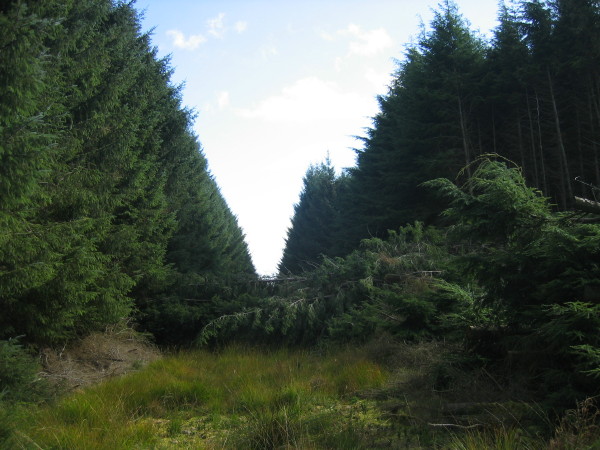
(238, 397)
(247, 398)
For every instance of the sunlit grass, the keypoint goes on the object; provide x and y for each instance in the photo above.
(244, 398)
(240, 397)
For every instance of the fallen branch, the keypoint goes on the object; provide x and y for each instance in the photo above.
(455, 425)
(587, 205)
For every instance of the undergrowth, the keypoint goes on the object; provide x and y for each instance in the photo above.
(382, 395)
(237, 398)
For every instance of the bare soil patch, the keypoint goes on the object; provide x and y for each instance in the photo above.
(101, 355)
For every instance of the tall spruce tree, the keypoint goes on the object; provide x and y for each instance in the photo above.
(505, 125)
(427, 127)
(27, 157)
(576, 46)
(312, 231)
(207, 251)
(93, 136)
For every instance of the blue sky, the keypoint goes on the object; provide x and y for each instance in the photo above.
(279, 84)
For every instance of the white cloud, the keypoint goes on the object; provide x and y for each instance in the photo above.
(363, 42)
(380, 80)
(339, 61)
(327, 36)
(309, 100)
(241, 26)
(216, 27)
(223, 99)
(190, 43)
(266, 51)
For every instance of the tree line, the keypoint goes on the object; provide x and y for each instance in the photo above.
(530, 93)
(107, 207)
(458, 221)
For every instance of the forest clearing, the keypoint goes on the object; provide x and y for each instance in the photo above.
(380, 395)
(442, 293)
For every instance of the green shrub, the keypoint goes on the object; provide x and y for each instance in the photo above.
(538, 274)
(391, 285)
(19, 374)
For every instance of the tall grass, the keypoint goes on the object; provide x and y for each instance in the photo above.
(239, 398)
(245, 398)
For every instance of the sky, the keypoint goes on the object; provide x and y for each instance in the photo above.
(278, 85)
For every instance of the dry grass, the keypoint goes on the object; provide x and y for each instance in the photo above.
(580, 427)
(99, 356)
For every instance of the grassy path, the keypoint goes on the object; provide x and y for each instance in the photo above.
(244, 398)
(240, 398)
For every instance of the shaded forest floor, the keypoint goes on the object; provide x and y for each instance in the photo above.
(382, 395)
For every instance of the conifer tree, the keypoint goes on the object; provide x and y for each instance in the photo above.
(427, 127)
(93, 138)
(507, 127)
(538, 270)
(312, 231)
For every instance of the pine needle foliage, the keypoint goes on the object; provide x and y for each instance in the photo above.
(401, 285)
(95, 201)
(19, 375)
(312, 232)
(538, 269)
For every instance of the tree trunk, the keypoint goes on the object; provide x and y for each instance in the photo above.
(587, 205)
(520, 145)
(494, 130)
(464, 136)
(536, 178)
(591, 104)
(539, 129)
(581, 150)
(565, 177)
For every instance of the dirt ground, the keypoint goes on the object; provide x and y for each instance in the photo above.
(114, 352)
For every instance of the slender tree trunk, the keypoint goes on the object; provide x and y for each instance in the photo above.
(520, 145)
(593, 139)
(494, 130)
(593, 100)
(480, 138)
(542, 160)
(582, 170)
(465, 141)
(565, 176)
(536, 177)
(596, 97)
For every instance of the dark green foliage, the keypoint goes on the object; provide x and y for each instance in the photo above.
(74, 284)
(521, 252)
(572, 330)
(392, 286)
(207, 251)
(426, 128)
(311, 234)
(24, 131)
(19, 375)
(498, 202)
(530, 95)
(539, 272)
(93, 141)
